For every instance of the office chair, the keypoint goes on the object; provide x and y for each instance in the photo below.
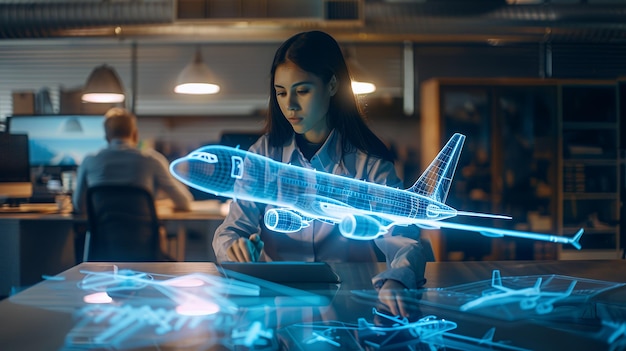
(122, 225)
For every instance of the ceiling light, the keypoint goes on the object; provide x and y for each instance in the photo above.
(103, 86)
(196, 78)
(361, 82)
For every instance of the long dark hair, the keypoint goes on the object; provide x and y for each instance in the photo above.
(318, 53)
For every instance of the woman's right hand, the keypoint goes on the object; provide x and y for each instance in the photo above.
(246, 250)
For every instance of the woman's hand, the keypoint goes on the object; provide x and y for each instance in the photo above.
(395, 296)
(246, 250)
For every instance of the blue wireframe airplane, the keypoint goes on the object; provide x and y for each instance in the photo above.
(363, 210)
(528, 298)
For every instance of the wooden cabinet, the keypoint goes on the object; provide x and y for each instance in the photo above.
(589, 169)
(544, 151)
(507, 166)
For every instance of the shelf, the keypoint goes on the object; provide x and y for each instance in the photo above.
(589, 162)
(590, 196)
(589, 125)
(533, 146)
(590, 230)
(590, 172)
(611, 254)
(508, 162)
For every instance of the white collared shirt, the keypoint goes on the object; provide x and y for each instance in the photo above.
(322, 241)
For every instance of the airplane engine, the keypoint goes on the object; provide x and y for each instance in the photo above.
(360, 227)
(283, 221)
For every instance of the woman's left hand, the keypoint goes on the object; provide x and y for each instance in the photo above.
(396, 297)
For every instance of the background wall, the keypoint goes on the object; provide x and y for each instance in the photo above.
(176, 123)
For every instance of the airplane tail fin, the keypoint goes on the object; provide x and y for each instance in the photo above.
(575, 240)
(496, 278)
(436, 179)
(488, 337)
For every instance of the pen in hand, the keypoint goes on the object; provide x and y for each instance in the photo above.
(246, 249)
(255, 247)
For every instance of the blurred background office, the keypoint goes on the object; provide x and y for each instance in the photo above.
(537, 86)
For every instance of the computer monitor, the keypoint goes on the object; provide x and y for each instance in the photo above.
(15, 182)
(60, 140)
(243, 140)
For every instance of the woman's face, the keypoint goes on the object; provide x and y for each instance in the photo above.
(303, 99)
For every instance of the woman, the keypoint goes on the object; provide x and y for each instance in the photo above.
(314, 122)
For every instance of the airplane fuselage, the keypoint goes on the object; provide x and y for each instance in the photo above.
(238, 174)
(296, 195)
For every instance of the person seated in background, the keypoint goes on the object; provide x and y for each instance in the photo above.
(314, 122)
(121, 162)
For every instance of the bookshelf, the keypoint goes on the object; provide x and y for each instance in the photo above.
(507, 166)
(545, 151)
(589, 168)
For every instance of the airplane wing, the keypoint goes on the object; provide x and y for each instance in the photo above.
(500, 232)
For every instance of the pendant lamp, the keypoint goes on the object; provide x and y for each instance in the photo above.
(103, 86)
(196, 78)
(361, 82)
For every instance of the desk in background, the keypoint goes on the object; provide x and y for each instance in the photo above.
(209, 214)
(45, 243)
(33, 244)
(27, 327)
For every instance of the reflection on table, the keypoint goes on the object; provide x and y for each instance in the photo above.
(192, 306)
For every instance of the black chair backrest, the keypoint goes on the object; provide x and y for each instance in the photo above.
(123, 224)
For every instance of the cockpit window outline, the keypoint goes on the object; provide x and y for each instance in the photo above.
(204, 156)
(237, 167)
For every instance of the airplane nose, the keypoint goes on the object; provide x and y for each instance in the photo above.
(181, 169)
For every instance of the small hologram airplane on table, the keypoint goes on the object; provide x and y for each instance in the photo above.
(401, 334)
(528, 297)
(362, 210)
(401, 330)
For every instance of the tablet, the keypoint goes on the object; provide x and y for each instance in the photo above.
(285, 271)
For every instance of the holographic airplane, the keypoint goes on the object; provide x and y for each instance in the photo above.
(363, 210)
(425, 327)
(420, 330)
(528, 298)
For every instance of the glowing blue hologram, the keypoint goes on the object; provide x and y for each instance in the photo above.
(613, 319)
(52, 277)
(602, 321)
(297, 297)
(425, 327)
(320, 336)
(338, 334)
(428, 331)
(362, 210)
(519, 297)
(126, 327)
(466, 343)
(121, 308)
(528, 297)
(195, 293)
(325, 336)
(616, 331)
(184, 302)
(253, 337)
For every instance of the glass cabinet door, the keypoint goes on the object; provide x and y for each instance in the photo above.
(467, 110)
(508, 166)
(526, 159)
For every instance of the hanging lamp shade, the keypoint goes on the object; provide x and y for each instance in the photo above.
(196, 78)
(103, 86)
